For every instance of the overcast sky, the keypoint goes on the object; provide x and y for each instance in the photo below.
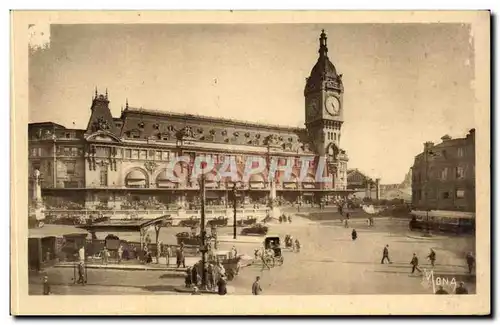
(404, 83)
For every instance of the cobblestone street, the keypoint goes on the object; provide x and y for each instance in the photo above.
(329, 262)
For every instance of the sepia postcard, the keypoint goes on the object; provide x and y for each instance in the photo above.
(324, 161)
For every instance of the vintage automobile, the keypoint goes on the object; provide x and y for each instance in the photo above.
(257, 229)
(191, 222)
(272, 244)
(218, 222)
(249, 221)
(188, 239)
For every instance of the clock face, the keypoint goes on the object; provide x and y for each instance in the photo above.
(332, 105)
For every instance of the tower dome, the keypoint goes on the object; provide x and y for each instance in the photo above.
(324, 69)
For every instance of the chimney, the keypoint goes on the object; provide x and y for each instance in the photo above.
(445, 138)
(428, 145)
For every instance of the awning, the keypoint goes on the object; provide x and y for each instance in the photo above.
(256, 181)
(166, 184)
(211, 195)
(256, 178)
(136, 182)
(56, 231)
(444, 213)
(135, 175)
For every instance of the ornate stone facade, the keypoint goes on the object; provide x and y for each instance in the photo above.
(115, 160)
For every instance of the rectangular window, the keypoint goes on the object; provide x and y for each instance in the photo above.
(33, 152)
(135, 154)
(103, 152)
(446, 195)
(74, 152)
(67, 151)
(104, 176)
(70, 167)
(459, 194)
(460, 172)
(49, 168)
(166, 155)
(128, 153)
(158, 155)
(460, 152)
(444, 174)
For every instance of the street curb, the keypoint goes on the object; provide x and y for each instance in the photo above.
(180, 271)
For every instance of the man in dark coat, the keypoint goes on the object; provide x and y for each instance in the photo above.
(432, 257)
(461, 290)
(46, 286)
(354, 234)
(470, 261)
(256, 289)
(194, 275)
(414, 263)
(189, 278)
(81, 273)
(222, 286)
(385, 255)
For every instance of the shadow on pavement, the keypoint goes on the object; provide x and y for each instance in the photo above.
(157, 288)
(172, 275)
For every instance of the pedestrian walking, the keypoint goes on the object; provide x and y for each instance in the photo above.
(81, 273)
(385, 255)
(461, 290)
(471, 261)
(194, 273)
(188, 279)
(297, 245)
(168, 253)
(441, 291)
(211, 277)
(289, 219)
(256, 289)
(105, 255)
(414, 263)
(46, 286)
(432, 257)
(120, 253)
(354, 234)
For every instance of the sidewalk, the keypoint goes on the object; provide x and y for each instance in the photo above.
(190, 261)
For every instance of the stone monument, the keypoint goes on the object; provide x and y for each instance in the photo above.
(37, 209)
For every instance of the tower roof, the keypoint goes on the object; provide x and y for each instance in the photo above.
(324, 68)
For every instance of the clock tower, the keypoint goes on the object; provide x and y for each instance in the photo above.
(324, 109)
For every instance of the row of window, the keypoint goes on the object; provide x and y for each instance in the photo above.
(443, 174)
(459, 194)
(332, 136)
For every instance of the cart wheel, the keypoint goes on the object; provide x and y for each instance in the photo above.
(279, 261)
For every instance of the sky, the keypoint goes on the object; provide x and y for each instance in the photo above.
(404, 83)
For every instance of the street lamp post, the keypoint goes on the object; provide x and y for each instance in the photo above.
(203, 235)
(234, 211)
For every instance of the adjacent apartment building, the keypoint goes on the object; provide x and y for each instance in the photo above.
(443, 175)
